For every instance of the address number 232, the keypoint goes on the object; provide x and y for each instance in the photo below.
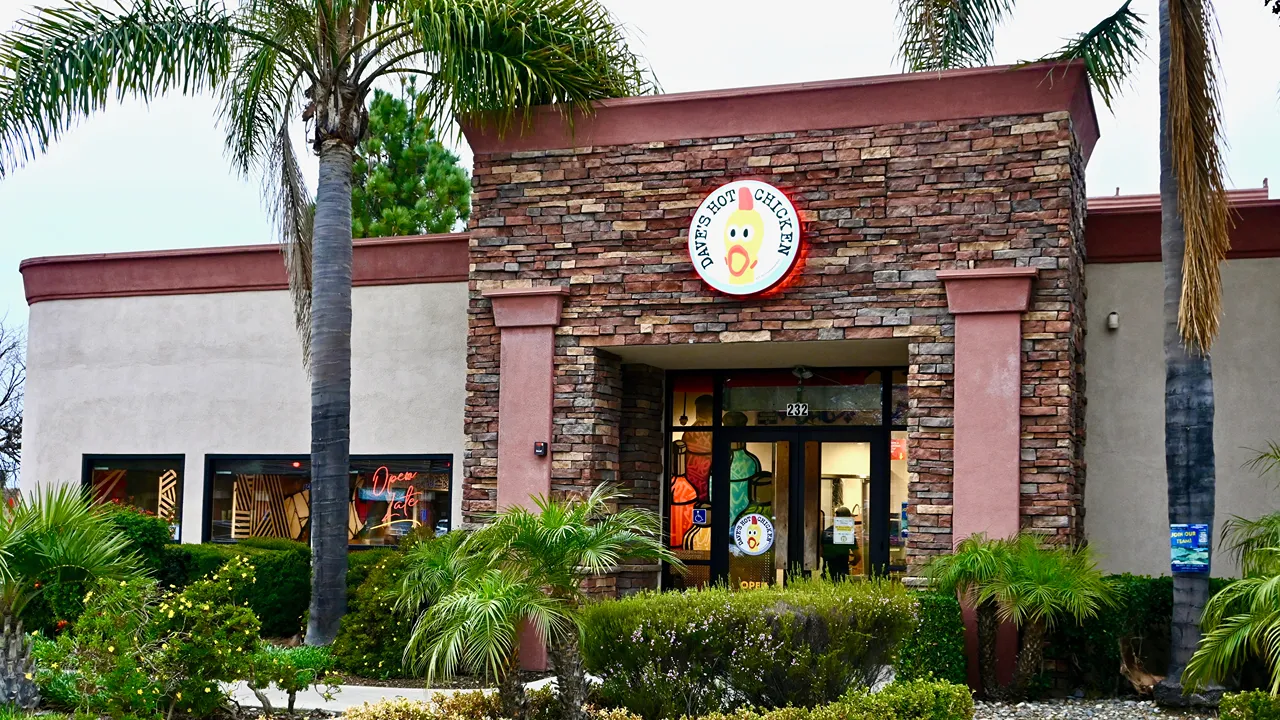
(797, 409)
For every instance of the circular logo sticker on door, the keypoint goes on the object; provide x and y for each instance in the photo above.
(745, 237)
(753, 534)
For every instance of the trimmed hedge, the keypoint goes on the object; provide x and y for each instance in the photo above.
(665, 655)
(1089, 653)
(1252, 705)
(280, 599)
(936, 647)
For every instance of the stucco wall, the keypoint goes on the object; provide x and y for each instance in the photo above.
(222, 373)
(1125, 502)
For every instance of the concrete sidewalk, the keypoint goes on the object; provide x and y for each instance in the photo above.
(349, 696)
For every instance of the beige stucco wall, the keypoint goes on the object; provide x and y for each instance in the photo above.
(222, 373)
(1125, 501)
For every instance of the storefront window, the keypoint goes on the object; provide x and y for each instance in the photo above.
(899, 522)
(689, 479)
(803, 396)
(270, 497)
(152, 484)
(901, 401)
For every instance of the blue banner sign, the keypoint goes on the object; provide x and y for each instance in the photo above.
(1189, 548)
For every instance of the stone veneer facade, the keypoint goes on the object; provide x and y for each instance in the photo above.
(885, 207)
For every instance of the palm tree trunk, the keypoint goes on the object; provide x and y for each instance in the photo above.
(511, 699)
(571, 678)
(1188, 404)
(330, 392)
(988, 632)
(1030, 657)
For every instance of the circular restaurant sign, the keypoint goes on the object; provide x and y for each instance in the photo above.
(745, 237)
(753, 534)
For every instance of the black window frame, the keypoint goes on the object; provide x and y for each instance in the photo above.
(206, 517)
(87, 461)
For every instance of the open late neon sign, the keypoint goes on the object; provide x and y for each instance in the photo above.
(399, 510)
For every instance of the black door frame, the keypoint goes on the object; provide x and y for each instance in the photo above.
(719, 556)
(876, 436)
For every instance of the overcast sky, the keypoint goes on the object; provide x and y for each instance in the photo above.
(143, 178)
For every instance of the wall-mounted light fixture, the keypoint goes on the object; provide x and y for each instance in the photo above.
(1113, 321)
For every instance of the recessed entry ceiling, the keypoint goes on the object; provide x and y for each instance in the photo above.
(728, 356)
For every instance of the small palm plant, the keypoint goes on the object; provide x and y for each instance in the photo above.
(1026, 583)
(53, 538)
(1243, 620)
(527, 567)
(975, 564)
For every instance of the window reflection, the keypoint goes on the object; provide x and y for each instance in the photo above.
(271, 497)
(150, 484)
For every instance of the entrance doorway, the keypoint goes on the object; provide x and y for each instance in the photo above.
(780, 473)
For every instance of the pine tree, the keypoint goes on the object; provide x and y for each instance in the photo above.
(405, 181)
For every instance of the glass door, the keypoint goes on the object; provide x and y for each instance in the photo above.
(784, 472)
(841, 498)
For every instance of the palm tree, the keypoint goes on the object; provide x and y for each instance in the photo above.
(1194, 238)
(975, 564)
(1042, 586)
(275, 62)
(526, 566)
(1020, 581)
(1194, 235)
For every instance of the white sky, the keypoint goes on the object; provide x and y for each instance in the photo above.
(142, 178)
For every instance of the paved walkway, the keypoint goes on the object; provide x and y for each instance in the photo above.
(348, 696)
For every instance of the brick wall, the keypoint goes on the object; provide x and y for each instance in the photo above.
(884, 208)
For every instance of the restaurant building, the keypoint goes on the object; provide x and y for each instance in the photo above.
(827, 327)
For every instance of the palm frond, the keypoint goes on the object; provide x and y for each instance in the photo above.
(60, 65)
(1250, 541)
(503, 57)
(976, 561)
(1266, 461)
(1196, 140)
(1240, 622)
(292, 212)
(59, 534)
(948, 34)
(1110, 51)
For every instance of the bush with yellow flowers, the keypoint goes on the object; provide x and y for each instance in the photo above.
(149, 653)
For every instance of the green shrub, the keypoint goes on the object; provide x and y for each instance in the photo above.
(280, 601)
(147, 533)
(936, 647)
(1090, 652)
(144, 653)
(469, 706)
(914, 700)
(372, 637)
(911, 700)
(291, 670)
(1252, 705)
(360, 563)
(273, 543)
(672, 654)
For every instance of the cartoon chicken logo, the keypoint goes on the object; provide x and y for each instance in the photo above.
(753, 534)
(743, 233)
(744, 238)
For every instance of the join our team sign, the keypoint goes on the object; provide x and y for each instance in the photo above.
(744, 238)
